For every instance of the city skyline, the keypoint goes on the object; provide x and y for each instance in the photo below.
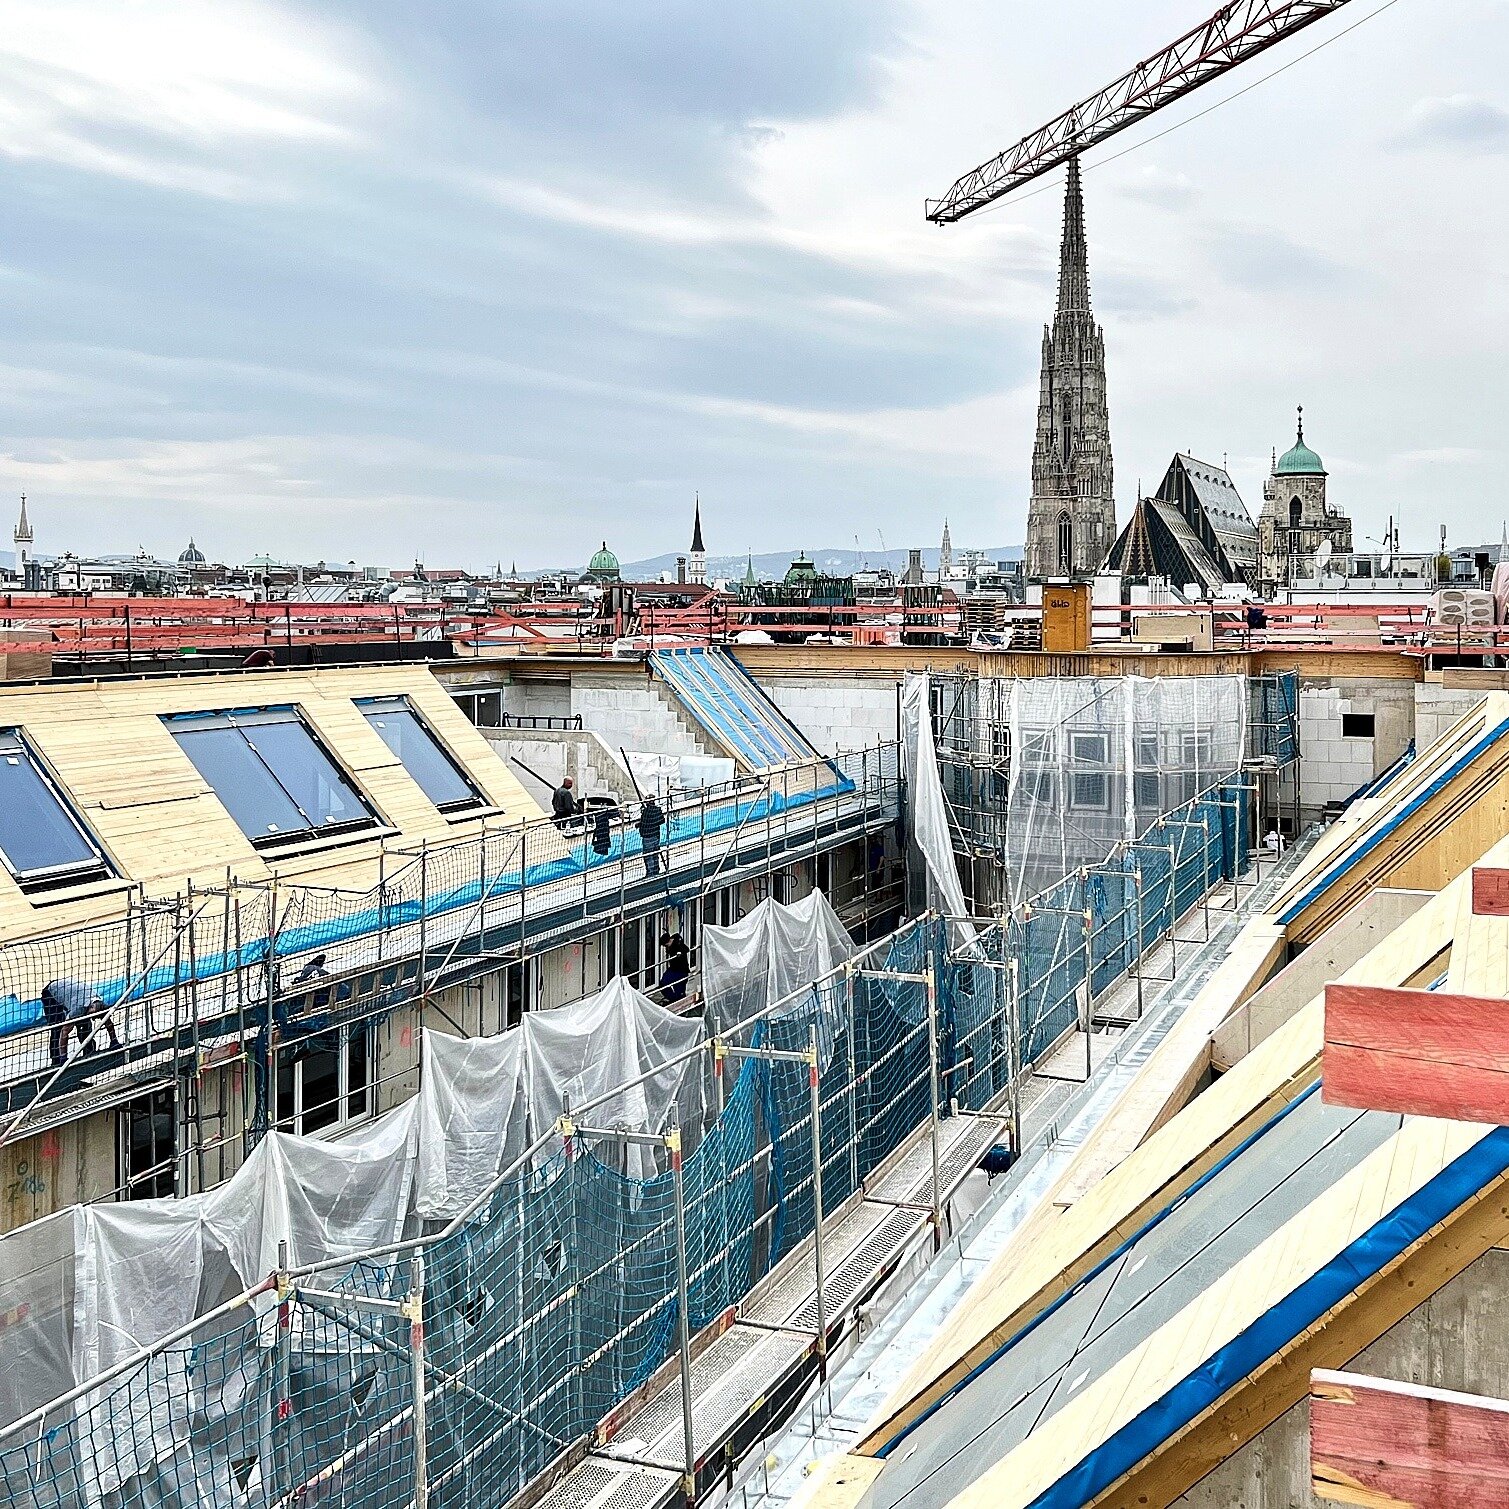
(370, 301)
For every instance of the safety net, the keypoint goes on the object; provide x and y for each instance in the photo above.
(552, 1290)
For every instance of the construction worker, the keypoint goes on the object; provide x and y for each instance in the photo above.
(563, 806)
(651, 821)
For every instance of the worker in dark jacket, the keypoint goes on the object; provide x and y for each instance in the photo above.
(563, 805)
(69, 1007)
(602, 831)
(651, 821)
(677, 969)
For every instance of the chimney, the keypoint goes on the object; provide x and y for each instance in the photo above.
(681, 570)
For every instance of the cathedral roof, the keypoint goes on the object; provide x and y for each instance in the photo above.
(1299, 460)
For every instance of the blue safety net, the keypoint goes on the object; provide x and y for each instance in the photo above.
(557, 1300)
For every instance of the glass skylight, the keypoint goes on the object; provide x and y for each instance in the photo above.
(438, 774)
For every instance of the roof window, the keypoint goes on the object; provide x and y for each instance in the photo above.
(272, 774)
(42, 843)
(437, 772)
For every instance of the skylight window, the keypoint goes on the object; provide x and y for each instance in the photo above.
(438, 774)
(275, 778)
(41, 842)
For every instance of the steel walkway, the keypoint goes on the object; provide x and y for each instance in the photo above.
(752, 1368)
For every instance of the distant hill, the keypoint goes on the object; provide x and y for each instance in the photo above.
(774, 563)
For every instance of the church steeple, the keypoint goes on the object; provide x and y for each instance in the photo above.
(1073, 253)
(21, 538)
(696, 566)
(1071, 519)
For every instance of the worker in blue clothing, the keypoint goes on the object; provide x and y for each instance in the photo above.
(651, 821)
(68, 1007)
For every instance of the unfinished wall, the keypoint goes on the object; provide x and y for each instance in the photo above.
(548, 755)
(1437, 708)
(834, 712)
(1454, 1341)
(1334, 759)
(637, 713)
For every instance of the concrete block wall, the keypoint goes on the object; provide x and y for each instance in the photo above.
(593, 767)
(834, 713)
(1437, 708)
(1333, 765)
(637, 715)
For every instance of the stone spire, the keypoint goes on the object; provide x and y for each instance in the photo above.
(1073, 253)
(21, 538)
(1071, 519)
(945, 554)
(696, 565)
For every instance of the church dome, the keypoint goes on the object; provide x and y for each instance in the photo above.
(193, 556)
(1299, 460)
(604, 563)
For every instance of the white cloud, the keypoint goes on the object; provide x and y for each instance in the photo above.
(167, 91)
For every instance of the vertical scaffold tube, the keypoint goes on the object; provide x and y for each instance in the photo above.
(934, 1107)
(683, 1321)
(414, 1310)
(815, 1096)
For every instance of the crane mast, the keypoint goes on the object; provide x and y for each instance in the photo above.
(1239, 30)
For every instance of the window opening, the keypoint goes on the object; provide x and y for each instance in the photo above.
(437, 772)
(42, 843)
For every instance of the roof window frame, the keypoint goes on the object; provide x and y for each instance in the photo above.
(313, 834)
(42, 880)
(479, 801)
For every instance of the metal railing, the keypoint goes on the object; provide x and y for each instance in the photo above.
(456, 1366)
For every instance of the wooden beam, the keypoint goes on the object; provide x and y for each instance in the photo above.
(1381, 1302)
(1490, 892)
(1381, 1443)
(1420, 1052)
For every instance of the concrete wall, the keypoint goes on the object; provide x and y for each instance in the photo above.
(592, 766)
(1454, 1341)
(637, 714)
(836, 713)
(1333, 766)
(1437, 708)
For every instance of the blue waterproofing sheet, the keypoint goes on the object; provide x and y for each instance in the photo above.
(17, 1015)
(723, 698)
(1288, 1164)
(1405, 811)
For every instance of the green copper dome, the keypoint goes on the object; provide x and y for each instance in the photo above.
(1300, 460)
(604, 563)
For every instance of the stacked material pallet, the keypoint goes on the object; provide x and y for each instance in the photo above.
(1462, 607)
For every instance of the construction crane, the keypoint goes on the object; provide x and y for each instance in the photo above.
(1239, 30)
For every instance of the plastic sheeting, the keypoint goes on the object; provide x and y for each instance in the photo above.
(1054, 772)
(665, 774)
(485, 1100)
(100, 1282)
(927, 812)
(768, 956)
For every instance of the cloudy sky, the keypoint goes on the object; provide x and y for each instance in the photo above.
(483, 279)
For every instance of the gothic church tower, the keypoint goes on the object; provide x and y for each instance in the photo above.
(1071, 520)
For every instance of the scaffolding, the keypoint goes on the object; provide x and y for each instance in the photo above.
(466, 1364)
(1043, 776)
(241, 975)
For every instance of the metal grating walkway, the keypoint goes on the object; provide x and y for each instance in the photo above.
(747, 1382)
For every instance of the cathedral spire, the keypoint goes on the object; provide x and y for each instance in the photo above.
(697, 523)
(23, 525)
(1071, 517)
(1073, 253)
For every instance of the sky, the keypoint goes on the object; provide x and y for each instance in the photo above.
(479, 280)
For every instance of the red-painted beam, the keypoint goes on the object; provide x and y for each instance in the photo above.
(1373, 1441)
(1421, 1052)
(1490, 892)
